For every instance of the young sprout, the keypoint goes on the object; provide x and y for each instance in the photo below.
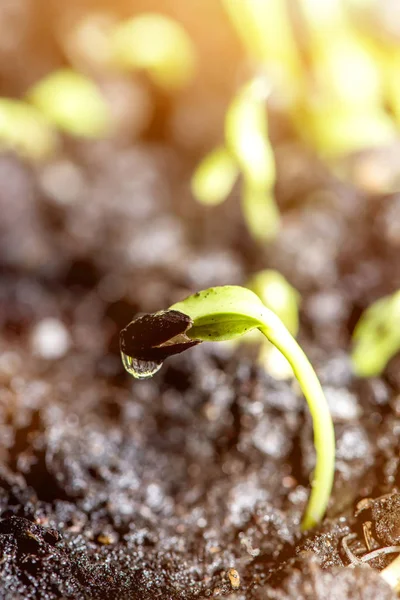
(26, 130)
(149, 42)
(376, 337)
(215, 177)
(336, 132)
(266, 32)
(156, 44)
(226, 313)
(246, 134)
(72, 102)
(248, 151)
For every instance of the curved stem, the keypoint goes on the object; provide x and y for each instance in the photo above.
(324, 436)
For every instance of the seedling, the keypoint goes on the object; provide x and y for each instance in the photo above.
(247, 152)
(377, 336)
(72, 102)
(156, 44)
(149, 42)
(226, 313)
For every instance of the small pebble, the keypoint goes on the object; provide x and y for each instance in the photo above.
(234, 578)
(106, 539)
(50, 339)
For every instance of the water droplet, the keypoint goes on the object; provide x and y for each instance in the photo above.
(140, 369)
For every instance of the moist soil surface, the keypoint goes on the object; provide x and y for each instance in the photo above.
(192, 484)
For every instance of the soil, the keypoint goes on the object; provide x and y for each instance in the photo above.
(190, 485)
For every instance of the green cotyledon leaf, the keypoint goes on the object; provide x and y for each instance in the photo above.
(221, 313)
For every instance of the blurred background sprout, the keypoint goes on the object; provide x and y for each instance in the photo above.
(26, 130)
(376, 337)
(87, 41)
(248, 151)
(156, 44)
(330, 70)
(267, 34)
(278, 295)
(215, 176)
(150, 42)
(346, 103)
(72, 102)
(324, 69)
(335, 78)
(283, 299)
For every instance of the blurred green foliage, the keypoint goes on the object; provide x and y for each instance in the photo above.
(248, 152)
(278, 295)
(156, 44)
(332, 73)
(283, 299)
(25, 130)
(72, 102)
(66, 100)
(327, 72)
(331, 66)
(215, 176)
(376, 337)
(267, 35)
(63, 101)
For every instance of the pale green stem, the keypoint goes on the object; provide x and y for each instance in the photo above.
(324, 435)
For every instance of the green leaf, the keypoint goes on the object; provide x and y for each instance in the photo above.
(214, 177)
(156, 44)
(26, 130)
(72, 102)
(221, 313)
